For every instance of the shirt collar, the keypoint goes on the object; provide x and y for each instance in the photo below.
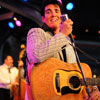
(6, 66)
(46, 28)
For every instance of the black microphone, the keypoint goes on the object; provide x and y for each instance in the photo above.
(63, 18)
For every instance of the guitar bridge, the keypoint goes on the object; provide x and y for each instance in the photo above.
(57, 81)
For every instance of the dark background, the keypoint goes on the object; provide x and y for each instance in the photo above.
(85, 15)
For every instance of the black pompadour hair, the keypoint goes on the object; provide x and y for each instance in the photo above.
(47, 2)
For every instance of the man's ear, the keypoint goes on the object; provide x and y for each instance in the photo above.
(42, 18)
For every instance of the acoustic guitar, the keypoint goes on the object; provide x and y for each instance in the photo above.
(56, 80)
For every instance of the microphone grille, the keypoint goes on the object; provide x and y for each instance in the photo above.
(64, 17)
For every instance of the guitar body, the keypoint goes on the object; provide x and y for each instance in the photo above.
(43, 84)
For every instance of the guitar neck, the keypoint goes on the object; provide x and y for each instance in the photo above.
(89, 81)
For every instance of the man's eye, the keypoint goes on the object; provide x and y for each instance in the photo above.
(57, 11)
(48, 12)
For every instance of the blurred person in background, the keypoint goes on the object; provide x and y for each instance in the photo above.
(8, 78)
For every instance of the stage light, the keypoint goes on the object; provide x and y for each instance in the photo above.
(99, 31)
(69, 6)
(24, 0)
(74, 36)
(86, 30)
(14, 18)
(11, 25)
(60, 1)
(18, 23)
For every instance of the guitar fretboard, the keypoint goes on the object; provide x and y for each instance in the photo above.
(89, 81)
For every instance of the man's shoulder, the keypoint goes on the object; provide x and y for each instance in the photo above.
(2, 66)
(35, 30)
(14, 68)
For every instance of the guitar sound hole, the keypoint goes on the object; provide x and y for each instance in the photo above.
(74, 81)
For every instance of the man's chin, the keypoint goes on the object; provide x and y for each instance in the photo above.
(53, 27)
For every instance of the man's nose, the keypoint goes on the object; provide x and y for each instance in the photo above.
(53, 13)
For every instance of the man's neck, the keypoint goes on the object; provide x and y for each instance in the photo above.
(56, 31)
(46, 28)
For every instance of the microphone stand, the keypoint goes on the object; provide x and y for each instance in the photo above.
(78, 62)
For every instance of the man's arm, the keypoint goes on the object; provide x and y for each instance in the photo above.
(39, 48)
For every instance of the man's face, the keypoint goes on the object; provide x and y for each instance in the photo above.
(9, 61)
(52, 16)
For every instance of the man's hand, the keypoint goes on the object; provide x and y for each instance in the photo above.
(20, 63)
(14, 88)
(66, 27)
(95, 95)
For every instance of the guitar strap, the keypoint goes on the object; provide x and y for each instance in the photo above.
(27, 62)
(64, 53)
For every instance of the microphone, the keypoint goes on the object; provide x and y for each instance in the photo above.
(63, 18)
